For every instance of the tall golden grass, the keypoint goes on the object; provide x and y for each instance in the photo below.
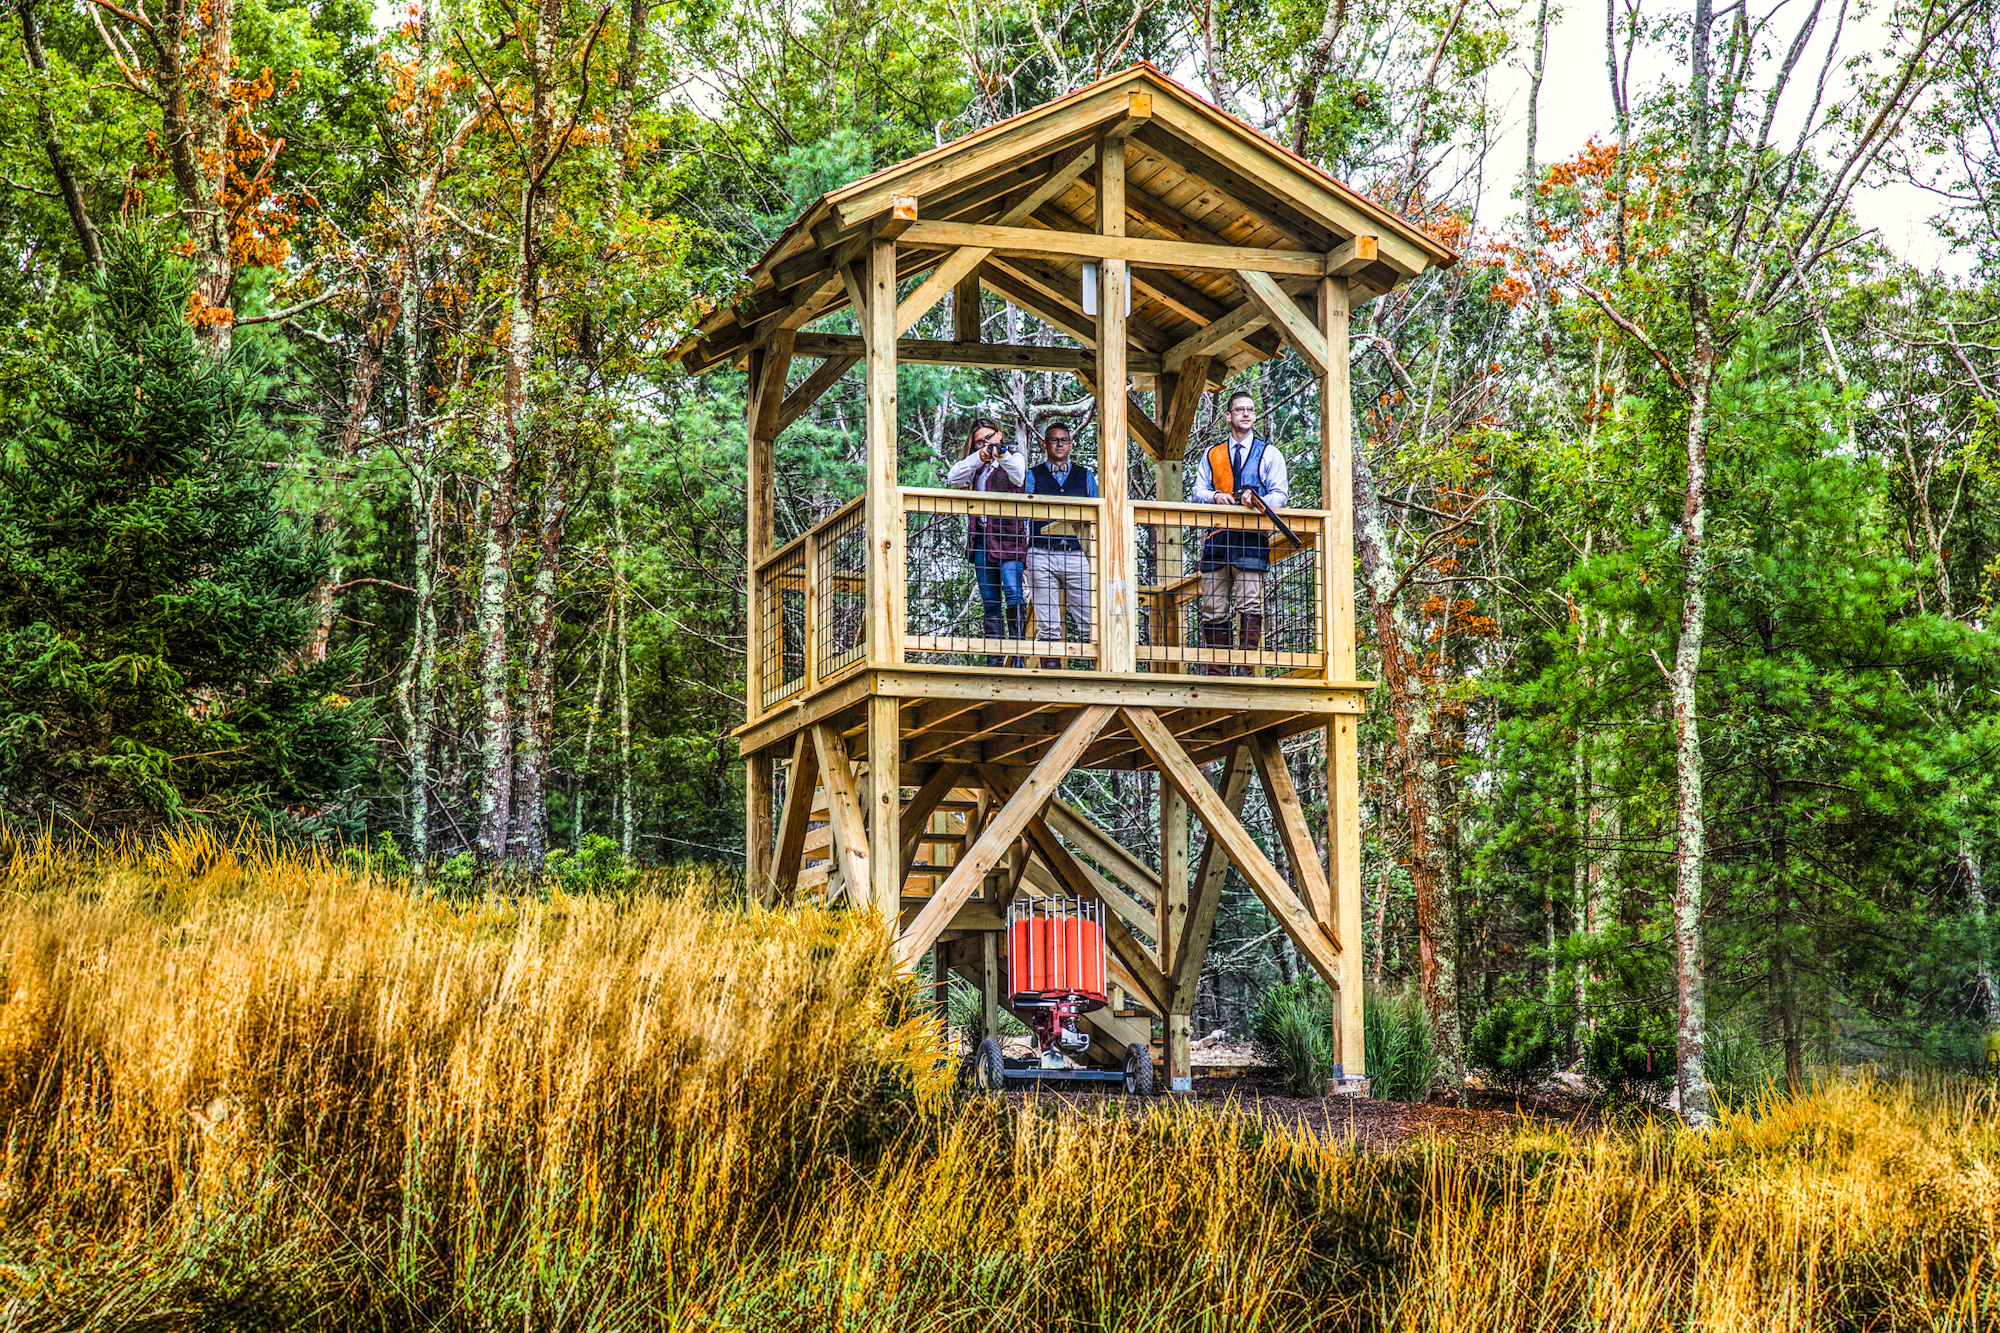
(248, 1089)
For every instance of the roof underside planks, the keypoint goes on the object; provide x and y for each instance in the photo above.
(1194, 176)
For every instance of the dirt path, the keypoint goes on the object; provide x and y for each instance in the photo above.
(1377, 1124)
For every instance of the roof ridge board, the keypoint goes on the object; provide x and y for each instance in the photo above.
(1344, 198)
(1022, 120)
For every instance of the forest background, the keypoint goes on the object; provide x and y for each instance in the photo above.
(347, 490)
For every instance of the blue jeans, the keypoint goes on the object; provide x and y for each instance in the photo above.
(1006, 613)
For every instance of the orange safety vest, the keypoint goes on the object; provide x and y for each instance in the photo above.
(1229, 546)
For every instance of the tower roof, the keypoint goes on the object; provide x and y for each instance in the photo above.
(1195, 177)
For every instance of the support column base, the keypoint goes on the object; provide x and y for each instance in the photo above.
(1340, 1086)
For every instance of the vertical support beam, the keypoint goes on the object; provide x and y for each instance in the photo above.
(1344, 840)
(965, 310)
(989, 983)
(1343, 769)
(1169, 485)
(757, 827)
(769, 367)
(884, 518)
(885, 794)
(1120, 542)
(1177, 1027)
(1336, 470)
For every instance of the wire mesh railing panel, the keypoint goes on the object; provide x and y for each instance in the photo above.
(781, 607)
(1222, 591)
(843, 590)
(1000, 580)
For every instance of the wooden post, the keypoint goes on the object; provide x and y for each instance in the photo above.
(757, 827)
(884, 518)
(769, 368)
(1343, 770)
(885, 838)
(989, 983)
(1170, 486)
(1119, 543)
(965, 310)
(1177, 1028)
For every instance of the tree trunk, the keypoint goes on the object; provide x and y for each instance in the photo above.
(1684, 680)
(1975, 902)
(621, 563)
(1423, 778)
(533, 768)
(59, 166)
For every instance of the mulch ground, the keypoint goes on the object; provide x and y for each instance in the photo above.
(1375, 1124)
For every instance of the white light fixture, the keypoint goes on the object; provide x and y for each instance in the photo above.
(1090, 289)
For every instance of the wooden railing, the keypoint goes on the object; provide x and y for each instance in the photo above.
(1176, 541)
(812, 594)
(948, 620)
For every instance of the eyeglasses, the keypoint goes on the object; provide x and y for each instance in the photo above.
(1245, 408)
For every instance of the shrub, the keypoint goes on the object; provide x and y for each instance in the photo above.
(1293, 1029)
(1740, 1067)
(595, 867)
(1632, 1054)
(1402, 1057)
(1515, 1044)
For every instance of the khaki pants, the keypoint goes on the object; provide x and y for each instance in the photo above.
(1059, 579)
(1230, 591)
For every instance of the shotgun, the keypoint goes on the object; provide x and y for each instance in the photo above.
(1255, 501)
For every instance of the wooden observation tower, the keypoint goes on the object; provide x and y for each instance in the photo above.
(897, 760)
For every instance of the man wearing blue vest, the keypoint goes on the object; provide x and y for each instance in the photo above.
(1058, 569)
(1233, 562)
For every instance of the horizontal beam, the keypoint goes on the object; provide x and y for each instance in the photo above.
(1080, 245)
(979, 356)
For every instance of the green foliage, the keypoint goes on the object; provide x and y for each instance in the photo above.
(1293, 1029)
(1402, 1054)
(596, 867)
(1739, 1067)
(1515, 1044)
(1631, 1053)
(155, 603)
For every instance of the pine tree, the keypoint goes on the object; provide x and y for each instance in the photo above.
(152, 593)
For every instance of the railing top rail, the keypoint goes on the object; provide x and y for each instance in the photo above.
(798, 543)
(1202, 513)
(978, 499)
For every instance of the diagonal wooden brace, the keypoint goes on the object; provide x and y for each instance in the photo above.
(1290, 816)
(843, 812)
(1001, 830)
(800, 787)
(1265, 881)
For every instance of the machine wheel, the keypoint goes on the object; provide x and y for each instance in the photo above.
(1138, 1070)
(985, 1069)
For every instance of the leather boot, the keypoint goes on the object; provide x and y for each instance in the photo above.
(1215, 636)
(992, 627)
(1052, 664)
(1251, 639)
(1017, 628)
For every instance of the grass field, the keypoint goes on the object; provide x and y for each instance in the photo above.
(246, 1091)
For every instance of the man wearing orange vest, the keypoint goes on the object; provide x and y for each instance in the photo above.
(1233, 562)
